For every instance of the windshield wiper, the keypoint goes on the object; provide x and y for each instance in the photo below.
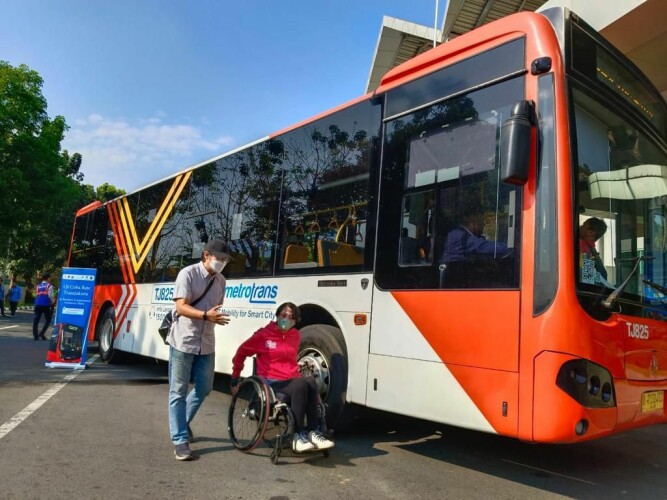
(609, 302)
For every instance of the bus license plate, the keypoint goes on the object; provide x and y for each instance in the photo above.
(653, 401)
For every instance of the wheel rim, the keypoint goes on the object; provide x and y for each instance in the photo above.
(106, 335)
(314, 363)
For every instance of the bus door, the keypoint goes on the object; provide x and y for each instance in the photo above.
(447, 266)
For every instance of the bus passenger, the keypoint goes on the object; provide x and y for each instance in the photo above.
(590, 231)
(275, 347)
(192, 340)
(467, 240)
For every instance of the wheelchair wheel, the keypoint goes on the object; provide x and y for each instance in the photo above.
(249, 414)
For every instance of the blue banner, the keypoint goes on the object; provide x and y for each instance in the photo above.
(69, 337)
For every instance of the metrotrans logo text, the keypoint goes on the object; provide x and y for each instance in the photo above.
(256, 294)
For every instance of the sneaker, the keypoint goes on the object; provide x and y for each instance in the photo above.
(300, 443)
(182, 451)
(191, 436)
(320, 441)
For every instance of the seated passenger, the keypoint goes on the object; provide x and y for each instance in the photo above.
(275, 347)
(472, 261)
(590, 231)
(466, 241)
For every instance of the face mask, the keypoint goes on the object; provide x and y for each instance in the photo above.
(218, 265)
(285, 323)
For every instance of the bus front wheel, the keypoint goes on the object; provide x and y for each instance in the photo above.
(323, 355)
(105, 328)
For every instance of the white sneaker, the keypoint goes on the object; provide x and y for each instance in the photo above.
(320, 441)
(300, 443)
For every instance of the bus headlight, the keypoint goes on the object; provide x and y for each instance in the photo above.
(587, 383)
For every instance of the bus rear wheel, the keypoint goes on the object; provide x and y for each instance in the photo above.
(104, 334)
(323, 354)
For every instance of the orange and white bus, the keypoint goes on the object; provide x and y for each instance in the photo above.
(530, 125)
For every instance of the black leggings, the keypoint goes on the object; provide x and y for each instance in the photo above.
(303, 399)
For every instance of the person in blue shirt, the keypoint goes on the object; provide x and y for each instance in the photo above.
(469, 260)
(466, 241)
(44, 299)
(14, 297)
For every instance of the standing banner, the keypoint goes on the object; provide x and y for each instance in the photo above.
(69, 337)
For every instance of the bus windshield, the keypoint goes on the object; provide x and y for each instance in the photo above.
(622, 208)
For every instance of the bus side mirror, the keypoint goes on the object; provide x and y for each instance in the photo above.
(515, 133)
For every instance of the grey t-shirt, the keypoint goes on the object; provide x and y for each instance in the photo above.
(196, 336)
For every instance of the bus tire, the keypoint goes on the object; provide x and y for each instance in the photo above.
(104, 335)
(323, 348)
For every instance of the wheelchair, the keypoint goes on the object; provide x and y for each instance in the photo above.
(257, 414)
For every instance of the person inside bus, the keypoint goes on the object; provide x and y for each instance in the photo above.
(275, 348)
(589, 232)
(469, 259)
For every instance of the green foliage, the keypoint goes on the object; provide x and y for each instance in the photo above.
(41, 185)
(107, 192)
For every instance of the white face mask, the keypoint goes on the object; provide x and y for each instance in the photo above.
(217, 265)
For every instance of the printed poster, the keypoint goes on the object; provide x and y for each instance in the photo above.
(69, 336)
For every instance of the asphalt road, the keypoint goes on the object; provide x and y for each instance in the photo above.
(103, 433)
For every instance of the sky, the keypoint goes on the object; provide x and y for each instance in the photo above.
(151, 87)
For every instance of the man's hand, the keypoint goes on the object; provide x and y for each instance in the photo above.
(215, 316)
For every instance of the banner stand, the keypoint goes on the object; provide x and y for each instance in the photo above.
(68, 347)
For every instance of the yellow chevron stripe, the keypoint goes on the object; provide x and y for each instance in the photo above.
(138, 250)
(139, 246)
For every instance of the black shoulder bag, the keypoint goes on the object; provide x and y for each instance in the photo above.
(164, 328)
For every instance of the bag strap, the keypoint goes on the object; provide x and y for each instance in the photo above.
(208, 287)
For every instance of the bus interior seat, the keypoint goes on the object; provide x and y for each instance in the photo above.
(323, 247)
(332, 253)
(296, 254)
(346, 255)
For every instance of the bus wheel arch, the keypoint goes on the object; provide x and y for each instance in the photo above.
(324, 353)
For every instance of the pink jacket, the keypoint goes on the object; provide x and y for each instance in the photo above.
(276, 353)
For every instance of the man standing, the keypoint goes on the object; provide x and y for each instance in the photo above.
(198, 293)
(44, 299)
(14, 296)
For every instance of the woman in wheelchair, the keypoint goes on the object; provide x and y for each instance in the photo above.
(275, 348)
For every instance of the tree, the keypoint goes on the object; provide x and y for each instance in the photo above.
(107, 192)
(41, 185)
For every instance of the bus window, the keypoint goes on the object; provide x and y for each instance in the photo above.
(457, 225)
(235, 198)
(326, 194)
(89, 240)
(621, 208)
